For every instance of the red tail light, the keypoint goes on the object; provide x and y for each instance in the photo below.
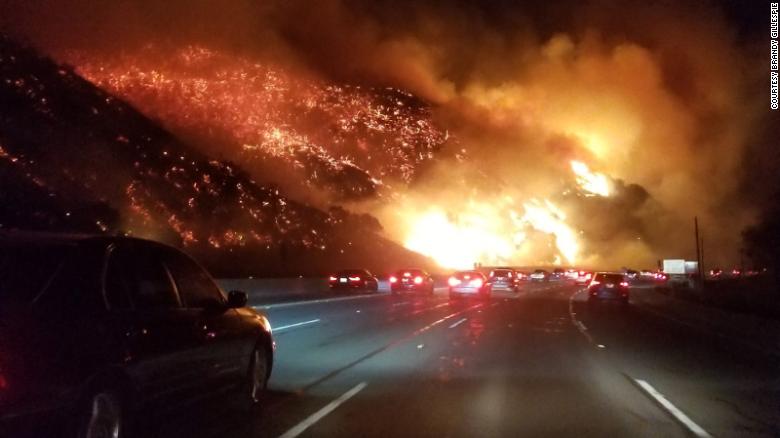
(393, 279)
(453, 281)
(332, 278)
(354, 278)
(418, 280)
(624, 283)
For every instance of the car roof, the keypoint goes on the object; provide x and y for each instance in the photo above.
(14, 237)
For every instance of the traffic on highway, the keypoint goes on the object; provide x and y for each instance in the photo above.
(389, 218)
(158, 349)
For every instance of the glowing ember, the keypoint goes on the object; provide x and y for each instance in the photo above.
(593, 183)
(347, 139)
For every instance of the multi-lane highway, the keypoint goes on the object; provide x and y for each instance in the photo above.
(539, 363)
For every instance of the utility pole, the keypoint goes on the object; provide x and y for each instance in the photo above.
(698, 249)
(702, 272)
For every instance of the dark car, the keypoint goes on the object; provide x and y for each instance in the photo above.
(411, 280)
(558, 274)
(505, 279)
(469, 283)
(100, 332)
(353, 279)
(608, 286)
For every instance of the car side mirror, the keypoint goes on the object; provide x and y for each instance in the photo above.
(237, 299)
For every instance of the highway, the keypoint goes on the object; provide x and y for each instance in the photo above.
(539, 363)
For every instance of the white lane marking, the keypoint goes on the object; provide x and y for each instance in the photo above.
(319, 301)
(319, 415)
(405, 303)
(577, 323)
(297, 324)
(458, 323)
(678, 414)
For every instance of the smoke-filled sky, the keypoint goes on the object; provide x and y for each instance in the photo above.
(665, 104)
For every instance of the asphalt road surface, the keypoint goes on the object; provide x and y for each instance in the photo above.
(539, 363)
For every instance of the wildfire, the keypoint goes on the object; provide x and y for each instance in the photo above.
(593, 183)
(324, 133)
(489, 233)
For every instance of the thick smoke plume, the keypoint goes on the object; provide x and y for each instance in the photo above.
(662, 100)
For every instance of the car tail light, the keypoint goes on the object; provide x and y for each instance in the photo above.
(332, 278)
(418, 280)
(491, 274)
(509, 275)
(354, 278)
(477, 282)
(624, 283)
(453, 281)
(393, 280)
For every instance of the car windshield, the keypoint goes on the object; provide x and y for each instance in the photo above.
(25, 271)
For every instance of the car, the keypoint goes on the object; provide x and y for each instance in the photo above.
(539, 275)
(716, 273)
(505, 279)
(469, 283)
(411, 280)
(558, 274)
(354, 279)
(102, 332)
(572, 274)
(583, 277)
(608, 286)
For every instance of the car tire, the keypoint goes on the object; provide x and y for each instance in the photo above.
(102, 414)
(257, 378)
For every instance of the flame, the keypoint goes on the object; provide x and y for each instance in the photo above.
(488, 233)
(593, 183)
(548, 218)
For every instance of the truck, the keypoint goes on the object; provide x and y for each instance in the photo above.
(682, 273)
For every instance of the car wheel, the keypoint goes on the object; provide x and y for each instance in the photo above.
(103, 416)
(257, 378)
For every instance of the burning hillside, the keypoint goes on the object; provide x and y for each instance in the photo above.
(78, 145)
(344, 140)
(476, 133)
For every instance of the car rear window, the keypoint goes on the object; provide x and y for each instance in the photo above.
(502, 273)
(26, 271)
(411, 272)
(469, 274)
(349, 272)
(612, 278)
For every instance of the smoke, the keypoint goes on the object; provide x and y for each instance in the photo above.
(660, 98)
